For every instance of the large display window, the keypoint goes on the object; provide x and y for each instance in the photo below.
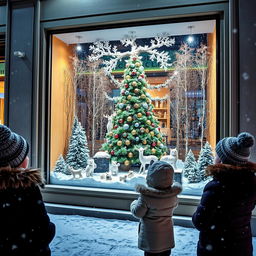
(123, 97)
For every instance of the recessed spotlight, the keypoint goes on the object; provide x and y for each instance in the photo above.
(190, 39)
(79, 48)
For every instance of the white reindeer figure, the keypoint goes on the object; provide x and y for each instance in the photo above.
(114, 168)
(172, 158)
(110, 122)
(76, 172)
(145, 160)
(89, 170)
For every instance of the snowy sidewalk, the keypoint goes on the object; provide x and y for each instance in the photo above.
(87, 236)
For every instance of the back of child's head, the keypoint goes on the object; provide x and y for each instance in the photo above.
(13, 148)
(160, 175)
(235, 150)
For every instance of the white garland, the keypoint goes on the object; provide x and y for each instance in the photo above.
(161, 98)
(111, 98)
(166, 83)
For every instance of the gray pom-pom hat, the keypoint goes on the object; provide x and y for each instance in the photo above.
(235, 150)
(160, 175)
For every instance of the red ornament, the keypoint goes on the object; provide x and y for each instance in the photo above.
(134, 73)
(116, 126)
(153, 125)
(123, 93)
(142, 76)
(159, 128)
(116, 136)
(120, 121)
(148, 113)
(126, 85)
(112, 152)
(134, 58)
(153, 144)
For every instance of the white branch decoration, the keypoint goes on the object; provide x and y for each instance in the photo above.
(100, 49)
(111, 98)
(166, 83)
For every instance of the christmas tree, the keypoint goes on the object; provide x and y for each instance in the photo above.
(205, 159)
(78, 151)
(61, 166)
(193, 174)
(190, 163)
(134, 123)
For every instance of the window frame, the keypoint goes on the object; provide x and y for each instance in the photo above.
(120, 199)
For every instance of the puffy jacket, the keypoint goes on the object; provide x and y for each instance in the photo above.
(155, 209)
(224, 214)
(25, 228)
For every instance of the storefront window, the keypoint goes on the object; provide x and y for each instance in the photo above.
(2, 74)
(123, 97)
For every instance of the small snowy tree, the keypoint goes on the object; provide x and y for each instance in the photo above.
(61, 166)
(78, 152)
(190, 162)
(205, 159)
(193, 174)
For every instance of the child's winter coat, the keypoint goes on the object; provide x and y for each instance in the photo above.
(224, 214)
(25, 228)
(155, 208)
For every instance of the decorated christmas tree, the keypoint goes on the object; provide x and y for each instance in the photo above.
(61, 166)
(78, 151)
(205, 159)
(134, 123)
(190, 163)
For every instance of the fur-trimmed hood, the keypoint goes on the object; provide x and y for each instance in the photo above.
(19, 178)
(174, 190)
(227, 169)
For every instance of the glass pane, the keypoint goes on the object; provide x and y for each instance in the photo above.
(123, 97)
(2, 74)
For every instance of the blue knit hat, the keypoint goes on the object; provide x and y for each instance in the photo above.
(13, 148)
(235, 150)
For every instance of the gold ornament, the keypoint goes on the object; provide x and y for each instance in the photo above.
(152, 134)
(147, 130)
(127, 77)
(134, 83)
(119, 143)
(144, 142)
(129, 97)
(136, 90)
(142, 129)
(130, 154)
(139, 115)
(137, 64)
(153, 150)
(127, 142)
(148, 122)
(136, 105)
(126, 162)
(124, 101)
(159, 135)
(133, 132)
(158, 143)
(110, 134)
(143, 96)
(129, 118)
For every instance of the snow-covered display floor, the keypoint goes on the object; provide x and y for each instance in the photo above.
(87, 236)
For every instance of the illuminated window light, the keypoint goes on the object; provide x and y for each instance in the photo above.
(79, 48)
(190, 39)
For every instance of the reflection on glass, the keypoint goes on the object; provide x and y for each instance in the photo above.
(132, 96)
(2, 74)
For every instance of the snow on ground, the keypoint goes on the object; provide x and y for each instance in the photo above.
(87, 236)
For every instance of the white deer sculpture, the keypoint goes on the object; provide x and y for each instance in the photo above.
(145, 160)
(114, 168)
(110, 122)
(172, 158)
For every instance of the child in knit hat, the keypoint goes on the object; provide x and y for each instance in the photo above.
(25, 228)
(224, 213)
(154, 208)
